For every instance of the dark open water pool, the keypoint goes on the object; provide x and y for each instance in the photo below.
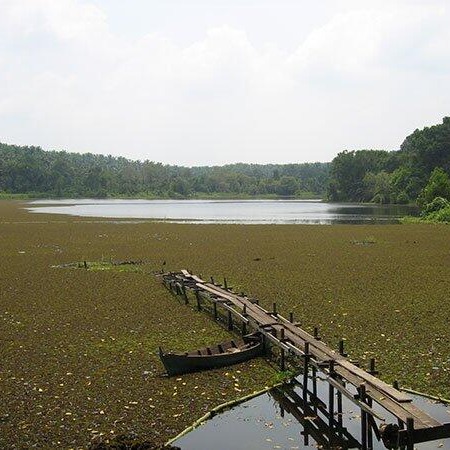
(281, 419)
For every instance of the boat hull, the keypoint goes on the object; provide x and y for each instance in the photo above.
(178, 364)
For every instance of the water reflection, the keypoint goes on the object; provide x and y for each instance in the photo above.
(228, 211)
(300, 417)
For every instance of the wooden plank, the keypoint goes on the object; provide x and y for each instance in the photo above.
(351, 397)
(381, 385)
(235, 313)
(429, 434)
(197, 279)
(400, 410)
(272, 338)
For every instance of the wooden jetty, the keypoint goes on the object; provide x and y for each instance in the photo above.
(244, 314)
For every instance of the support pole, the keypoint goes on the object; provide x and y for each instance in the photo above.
(314, 386)
(230, 321)
(410, 433)
(372, 369)
(369, 428)
(316, 333)
(330, 409)
(197, 296)
(183, 288)
(291, 317)
(339, 411)
(362, 398)
(306, 357)
(282, 352)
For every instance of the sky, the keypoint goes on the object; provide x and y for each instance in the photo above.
(202, 82)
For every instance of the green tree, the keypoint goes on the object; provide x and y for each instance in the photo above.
(438, 186)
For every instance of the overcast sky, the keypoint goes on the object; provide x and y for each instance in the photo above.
(218, 81)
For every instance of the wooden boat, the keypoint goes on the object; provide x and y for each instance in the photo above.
(220, 355)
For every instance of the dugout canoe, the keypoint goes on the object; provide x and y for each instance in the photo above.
(220, 355)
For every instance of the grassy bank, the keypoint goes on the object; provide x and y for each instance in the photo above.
(79, 346)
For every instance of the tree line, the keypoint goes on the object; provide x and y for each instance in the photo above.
(393, 176)
(37, 172)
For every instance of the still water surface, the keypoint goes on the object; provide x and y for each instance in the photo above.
(275, 421)
(227, 211)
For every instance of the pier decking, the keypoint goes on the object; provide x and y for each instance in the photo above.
(413, 425)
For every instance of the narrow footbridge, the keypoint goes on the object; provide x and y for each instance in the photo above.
(343, 375)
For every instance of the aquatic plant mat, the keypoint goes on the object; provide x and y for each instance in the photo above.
(78, 350)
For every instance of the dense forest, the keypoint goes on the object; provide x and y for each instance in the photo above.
(392, 177)
(37, 172)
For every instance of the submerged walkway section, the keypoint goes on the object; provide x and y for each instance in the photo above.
(413, 425)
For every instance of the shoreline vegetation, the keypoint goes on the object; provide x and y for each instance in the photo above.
(79, 360)
(146, 196)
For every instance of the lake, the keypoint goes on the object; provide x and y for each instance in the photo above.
(228, 211)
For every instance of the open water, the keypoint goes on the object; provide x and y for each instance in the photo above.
(281, 420)
(228, 211)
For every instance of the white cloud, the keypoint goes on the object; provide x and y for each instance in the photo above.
(363, 79)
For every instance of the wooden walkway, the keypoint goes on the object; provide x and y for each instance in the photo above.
(413, 425)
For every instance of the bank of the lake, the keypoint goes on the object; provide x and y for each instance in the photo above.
(79, 360)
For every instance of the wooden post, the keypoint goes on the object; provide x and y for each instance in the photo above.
(331, 370)
(395, 385)
(410, 433)
(244, 324)
(369, 428)
(372, 369)
(85, 265)
(274, 312)
(339, 411)
(291, 317)
(225, 284)
(282, 351)
(215, 310)
(197, 296)
(330, 409)
(212, 280)
(362, 398)
(283, 360)
(316, 333)
(230, 321)
(314, 386)
(305, 371)
(341, 348)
